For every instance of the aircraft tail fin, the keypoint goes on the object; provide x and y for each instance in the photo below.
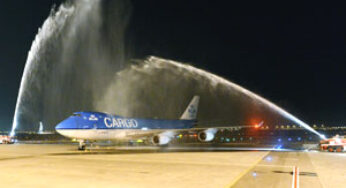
(191, 110)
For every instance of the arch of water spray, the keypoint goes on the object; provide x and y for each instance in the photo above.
(216, 79)
(157, 81)
(77, 62)
(53, 24)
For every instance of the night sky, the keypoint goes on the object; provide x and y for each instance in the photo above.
(293, 55)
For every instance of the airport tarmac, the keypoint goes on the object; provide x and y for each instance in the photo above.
(54, 165)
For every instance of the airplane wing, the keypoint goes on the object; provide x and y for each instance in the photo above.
(225, 127)
(163, 136)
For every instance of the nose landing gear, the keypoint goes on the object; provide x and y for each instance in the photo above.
(81, 145)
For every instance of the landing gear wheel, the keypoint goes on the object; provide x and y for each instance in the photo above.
(81, 146)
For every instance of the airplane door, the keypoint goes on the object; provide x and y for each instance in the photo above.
(94, 131)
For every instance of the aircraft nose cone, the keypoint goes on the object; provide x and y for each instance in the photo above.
(65, 126)
(59, 126)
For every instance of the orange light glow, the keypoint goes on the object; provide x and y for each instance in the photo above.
(256, 122)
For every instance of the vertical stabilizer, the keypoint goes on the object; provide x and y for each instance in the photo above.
(191, 110)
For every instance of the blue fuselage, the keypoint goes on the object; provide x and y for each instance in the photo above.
(101, 123)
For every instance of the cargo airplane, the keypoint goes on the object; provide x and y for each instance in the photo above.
(94, 126)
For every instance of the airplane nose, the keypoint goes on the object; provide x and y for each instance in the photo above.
(59, 126)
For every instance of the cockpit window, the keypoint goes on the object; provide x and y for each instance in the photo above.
(78, 115)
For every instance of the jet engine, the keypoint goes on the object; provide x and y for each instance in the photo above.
(160, 139)
(207, 135)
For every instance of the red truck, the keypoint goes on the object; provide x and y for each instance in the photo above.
(337, 143)
(5, 139)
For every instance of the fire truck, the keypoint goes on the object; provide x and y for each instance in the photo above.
(335, 144)
(5, 139)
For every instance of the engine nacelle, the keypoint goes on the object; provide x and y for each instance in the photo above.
(160, 139)
(207, 135)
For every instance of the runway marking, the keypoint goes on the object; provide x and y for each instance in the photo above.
(295, 177)
(298, 177)
(235, 180)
